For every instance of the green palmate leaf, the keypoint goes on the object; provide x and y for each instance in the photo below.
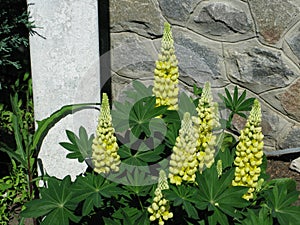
(46, 124)
(218, 195)
(121, 111)
(137, 176)
(80, 147)
(140, 91)
(218, 217)
(236, 104)
(55, 204)
(257, 216)
(132, 216)
(108, 221)
(120, 115)
(124, 152)
(280, 197)
(142, 114)
(138, 190)
(91, 189)
(151, 155)
(289, 215)
(133, 161)
(184, 196)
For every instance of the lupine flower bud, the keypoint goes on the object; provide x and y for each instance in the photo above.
(219, 167)
(184, 163)
(104, 148)
(249, 153)
(160, 206)
(206, 121)
(166, 72)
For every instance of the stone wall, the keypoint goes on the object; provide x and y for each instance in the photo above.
(252, 44)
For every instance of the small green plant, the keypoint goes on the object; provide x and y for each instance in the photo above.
(13, 193)
(236, 104)
(21, 87)
(27, 146)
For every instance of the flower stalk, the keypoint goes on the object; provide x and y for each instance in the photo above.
(166, 72)
(184, 163)
(249, 153)
(104, 148)
(159, 209)
(205, 123)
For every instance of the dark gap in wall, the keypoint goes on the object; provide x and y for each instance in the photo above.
(104, 47)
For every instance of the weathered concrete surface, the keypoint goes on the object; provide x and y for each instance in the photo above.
(65, 70)
(253, 44)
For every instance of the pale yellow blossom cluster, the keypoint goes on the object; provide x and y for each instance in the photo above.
(159, 209)
(104, 148)
(206, 121)
(184, 163)
(166, 74)
(249, 152)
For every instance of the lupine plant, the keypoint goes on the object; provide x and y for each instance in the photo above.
(156, 161)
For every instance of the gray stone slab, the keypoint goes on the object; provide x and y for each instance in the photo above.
(259, 68)
(142, 17)
(132, 56)
(178, 11)
(273, 17)
(223, 20)
(199, 59)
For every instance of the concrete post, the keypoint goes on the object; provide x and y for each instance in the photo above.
(65, 70)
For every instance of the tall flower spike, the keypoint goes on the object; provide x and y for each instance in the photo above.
(166, 73)
(206, 121)
(249, 153)
(159, 209)
(184, 163)
(104, 148)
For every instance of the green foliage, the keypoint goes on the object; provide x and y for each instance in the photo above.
(279, 196)
(80, 147)
(144, 146)
(21, 87)
(27, 144)
(55, 203)
(236, 104)
(146, 135)
(257, 216)
(142, 114)
(216, 194)
(14, 31)
(13, 193)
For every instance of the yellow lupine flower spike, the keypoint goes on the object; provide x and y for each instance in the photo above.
(249, 153)
(184, 163)
(159, 209)
(104, 148)
(206, 121)
(166, 74)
